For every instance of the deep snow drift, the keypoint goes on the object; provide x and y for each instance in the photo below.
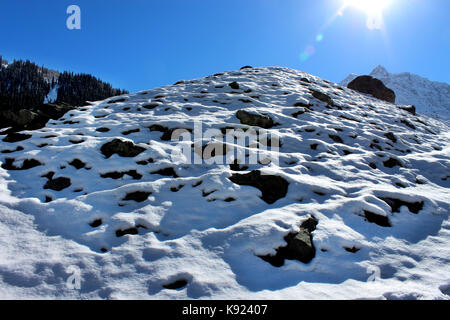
(140, 222)
(431, 98)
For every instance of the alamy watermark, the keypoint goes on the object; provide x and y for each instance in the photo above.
(74, 280)
(73, 22)
(375, 273)
(225, 146)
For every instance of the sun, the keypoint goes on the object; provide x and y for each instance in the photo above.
(371, 7)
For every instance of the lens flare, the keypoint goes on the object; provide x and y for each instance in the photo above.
(371, 7)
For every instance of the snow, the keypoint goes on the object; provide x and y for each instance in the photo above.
(194, 234)
(52, 95)
(430, 97)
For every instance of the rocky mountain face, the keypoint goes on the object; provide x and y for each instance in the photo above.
(372, 86)
(429, 97)
(167, 193)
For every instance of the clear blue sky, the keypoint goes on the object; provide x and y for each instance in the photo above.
(141, 44)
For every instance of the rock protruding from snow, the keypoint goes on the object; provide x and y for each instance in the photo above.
(372, 86)
(122, 148)
(299, 246)
(429, 97)
(272, 187)
(252, 119)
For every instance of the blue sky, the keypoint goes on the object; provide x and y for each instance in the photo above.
(141, 44)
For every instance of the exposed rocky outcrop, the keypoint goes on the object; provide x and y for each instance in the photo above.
(138, 196)
(25, 119)
(299, 246)
(122, 148)
(372, 86)
(252, 119)
(272, 187)
(58, 184)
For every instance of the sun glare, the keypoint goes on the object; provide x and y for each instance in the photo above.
(371, 7)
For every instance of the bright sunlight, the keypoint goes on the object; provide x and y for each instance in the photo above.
(371, 7)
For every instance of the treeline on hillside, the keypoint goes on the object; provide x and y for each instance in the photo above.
(23, 85)
(79, 88)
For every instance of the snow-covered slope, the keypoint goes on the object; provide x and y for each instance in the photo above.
(430, 97)
(375, 178)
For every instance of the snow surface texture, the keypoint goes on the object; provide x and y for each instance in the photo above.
(196, 228)
(430, 97)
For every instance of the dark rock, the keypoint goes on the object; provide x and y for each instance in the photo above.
(122, 148)
(322, 97)
(27, 164)
(376, 146)
(132, 231)
(299, 246)
(58, 184)
(71, 122)
(372, 86)
(352, 249)
(48, 175)
(410, 109)
(151, 106)
(16, 137)
(76, 141)
(336, 138)
(117, 175)
(305, 80)
(18, 148)
(234, 85)
(372, 165)
(298, 113)
(176, 189)
(167, 133)
(392, 162)
(347, 152)
(235, 166)
(382, 221)
(254, 119)
(102, 129)
(395, 205)
(138, 196)
(125, 133)
(272, 187)
(55, 111)
(21, 119)
(117, 100)
(391, 136)
(168, 172)
(176, 284)
(246, 67)
(408, 124)
(96, 223)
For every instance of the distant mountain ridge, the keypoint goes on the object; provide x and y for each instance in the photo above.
(430, 97)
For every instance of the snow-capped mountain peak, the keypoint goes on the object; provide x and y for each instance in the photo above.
(429, 97)
(379, 71)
